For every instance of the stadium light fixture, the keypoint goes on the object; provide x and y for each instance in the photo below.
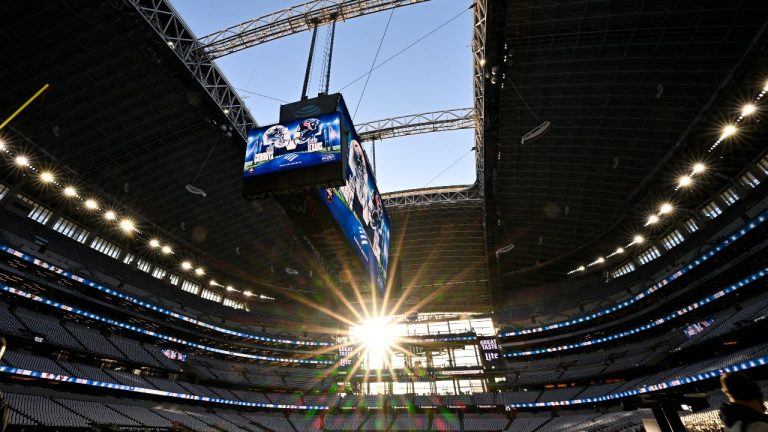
(247, 293)
(167, 250)
(70, 191)
(47, 177)
(91, 204)
(199, 271)
(127, 225)
(154, 243)
(639, 239)
(728, 131)
(600, 260)
(213, 283)
(230, 288)
(619, 250)
(747, 110)
(110, 215)
(699, 168)
(186, 265)
(581, 268)
(652, 219)
(2, 145)
(685, 181)
(665, 208)
(21, 161)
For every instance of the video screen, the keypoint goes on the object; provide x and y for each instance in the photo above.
(696, 328)
(175, 355)
(359, 210)
(296, 144)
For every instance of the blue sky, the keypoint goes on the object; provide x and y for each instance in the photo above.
(433, 75)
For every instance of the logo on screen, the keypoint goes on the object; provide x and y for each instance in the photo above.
(290, 157)
(306, 111)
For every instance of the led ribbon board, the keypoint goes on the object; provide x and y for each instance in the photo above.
(632, 300)
(657, 322)
(192, 397)
(157, 335)
(749, 364)
(69, 275)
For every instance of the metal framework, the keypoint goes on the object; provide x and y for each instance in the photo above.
(432, 196)
(288, 21)
(436, 121)
(478, 53)
(476, 192)
(197, 56)
(179, 38)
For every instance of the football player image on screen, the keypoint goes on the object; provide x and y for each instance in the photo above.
(356, 189)
(359, 194)
(377, 216)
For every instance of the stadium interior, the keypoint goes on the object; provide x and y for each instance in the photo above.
(607, 266)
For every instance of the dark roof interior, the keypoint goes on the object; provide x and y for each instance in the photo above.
(636, 93)
(633, 90)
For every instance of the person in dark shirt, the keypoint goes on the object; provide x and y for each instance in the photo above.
(744, 411)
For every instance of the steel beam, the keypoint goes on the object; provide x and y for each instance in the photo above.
(178, 37)
(478, 54)
(436, 121)
(286, 22)
(432, 196)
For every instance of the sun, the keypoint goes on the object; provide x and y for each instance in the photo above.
(377, 336)
(375, 333)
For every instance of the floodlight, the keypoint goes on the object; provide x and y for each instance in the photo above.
(199, 271)
(47, 177)
(70, 191)
(186, 265)
(21, 161)
(685, 181)
(639, 239)
(167, 250)
(728, 131)
(665, 208)
(127, 225)
(110, 215)
(652, 219)
(154, 243)
(91, 204)
(747, 110)
(699, 168)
